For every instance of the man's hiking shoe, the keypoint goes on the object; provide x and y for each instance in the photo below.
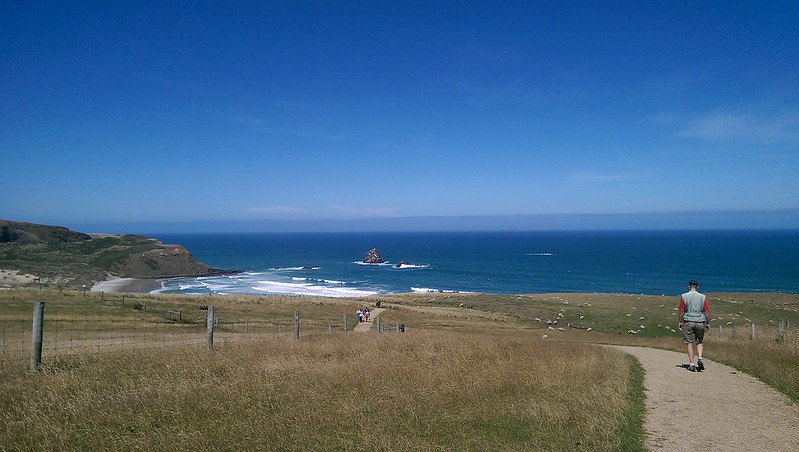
(700, 366)
(691, 368)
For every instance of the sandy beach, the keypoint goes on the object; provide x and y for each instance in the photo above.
(127, 285)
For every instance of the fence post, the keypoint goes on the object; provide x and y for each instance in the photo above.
(345, 322)
(720, 331)
(781, 337)
(753, 330)
(377, 320)
(36, 335)
(733, 330)
(296, 324)
(209, 324)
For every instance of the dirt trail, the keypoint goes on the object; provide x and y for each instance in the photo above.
(718, 409)
(365, 327)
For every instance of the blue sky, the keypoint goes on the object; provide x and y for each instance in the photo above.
(439, 114)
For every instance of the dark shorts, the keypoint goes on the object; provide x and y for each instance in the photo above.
(693, 332)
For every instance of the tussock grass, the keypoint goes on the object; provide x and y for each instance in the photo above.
(422, 391)
(471, 373)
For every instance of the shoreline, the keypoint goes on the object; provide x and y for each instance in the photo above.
(133, 285)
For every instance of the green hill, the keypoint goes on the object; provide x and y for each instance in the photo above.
(59, 256)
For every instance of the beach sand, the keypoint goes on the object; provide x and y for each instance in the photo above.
(127, 285)
(12, 278)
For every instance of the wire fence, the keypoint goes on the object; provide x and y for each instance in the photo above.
(60, 335)
(779, 331)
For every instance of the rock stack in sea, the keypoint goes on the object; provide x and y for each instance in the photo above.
(372, 257)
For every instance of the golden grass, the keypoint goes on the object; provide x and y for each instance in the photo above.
(413, 391)
(472, 372)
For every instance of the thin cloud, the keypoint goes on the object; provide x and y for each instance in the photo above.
(365, 212)
(780, 127)
(277, 210)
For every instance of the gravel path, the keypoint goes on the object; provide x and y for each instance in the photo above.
(718, 409)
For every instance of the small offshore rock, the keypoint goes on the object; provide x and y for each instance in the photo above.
(372, 257)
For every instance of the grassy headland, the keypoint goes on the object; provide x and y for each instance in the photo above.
(58, 257)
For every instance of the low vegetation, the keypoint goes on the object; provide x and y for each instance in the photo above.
(472, 372)
(58, 257)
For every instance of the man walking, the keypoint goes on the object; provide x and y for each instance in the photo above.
(693, 321)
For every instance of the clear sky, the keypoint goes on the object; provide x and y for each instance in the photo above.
(429, 113)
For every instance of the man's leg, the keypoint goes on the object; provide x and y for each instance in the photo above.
(690, 347)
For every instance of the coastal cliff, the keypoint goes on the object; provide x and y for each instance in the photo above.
(55, 255)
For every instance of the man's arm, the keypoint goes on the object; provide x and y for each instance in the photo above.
(706, 311)
(680, 315)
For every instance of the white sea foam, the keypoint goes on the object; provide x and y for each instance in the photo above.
(539, 254)
(190, 286)
(412, 266)
(333, 281)
(382, 264)
(306, 268)
(424, 290)
(278, 287)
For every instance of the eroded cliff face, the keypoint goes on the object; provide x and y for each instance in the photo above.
(56, 255)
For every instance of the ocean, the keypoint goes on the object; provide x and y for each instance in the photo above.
(641, 262)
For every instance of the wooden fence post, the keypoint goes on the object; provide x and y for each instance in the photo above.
(781, 337)
(345, 322)
(733, 330)
(377, 320)
(209, 324)
(753, 330)
(296, 324)
(37, 335)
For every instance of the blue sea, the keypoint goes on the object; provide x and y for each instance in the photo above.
(645, 262)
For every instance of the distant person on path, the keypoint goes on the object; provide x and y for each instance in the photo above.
(693, 321)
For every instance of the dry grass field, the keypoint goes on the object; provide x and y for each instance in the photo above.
(472, 372)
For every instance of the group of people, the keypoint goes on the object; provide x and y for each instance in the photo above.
(363, 314)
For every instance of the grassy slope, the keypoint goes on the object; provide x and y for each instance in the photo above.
(476, 376)
(73, 264)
